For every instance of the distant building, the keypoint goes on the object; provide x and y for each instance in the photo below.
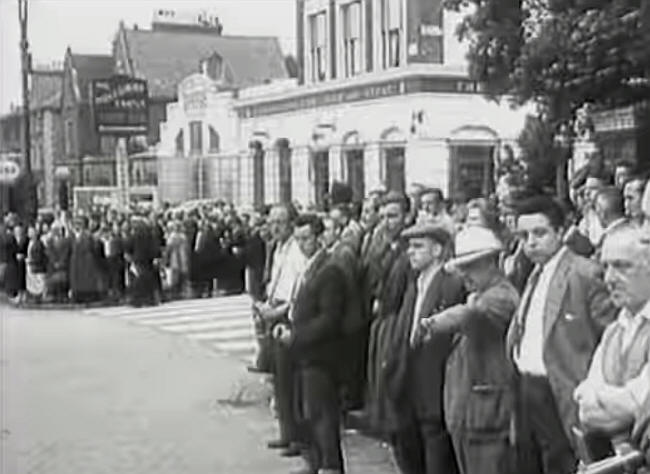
(170, 52)
(383, 98)
(86, 158)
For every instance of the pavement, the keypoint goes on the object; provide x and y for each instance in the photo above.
(96, 391)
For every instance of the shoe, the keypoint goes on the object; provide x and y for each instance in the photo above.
(277, 444)
(292, 451)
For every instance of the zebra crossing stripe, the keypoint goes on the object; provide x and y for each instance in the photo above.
(224, 323)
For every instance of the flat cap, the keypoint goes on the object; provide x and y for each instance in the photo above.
(427, 229)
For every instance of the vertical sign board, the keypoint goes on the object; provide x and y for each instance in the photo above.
(121, 108)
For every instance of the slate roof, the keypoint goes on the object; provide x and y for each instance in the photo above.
(165, 58)
(90, 67)
(46, 89)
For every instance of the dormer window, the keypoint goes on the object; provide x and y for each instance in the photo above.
(318, 46)
(213, 67)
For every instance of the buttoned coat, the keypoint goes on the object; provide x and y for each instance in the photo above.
(317, 316)
(414, 377)
(576, 312)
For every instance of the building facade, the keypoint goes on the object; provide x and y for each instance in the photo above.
(383, 99)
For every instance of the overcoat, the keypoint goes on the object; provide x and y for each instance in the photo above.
(414, 377)
(576, 313)
(87, 265)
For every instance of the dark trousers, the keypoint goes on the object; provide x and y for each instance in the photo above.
(283, 387)
(319, 408)
(424, 448)
(542, 445)
(489, 453)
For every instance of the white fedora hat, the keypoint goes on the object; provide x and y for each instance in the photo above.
(473, 243)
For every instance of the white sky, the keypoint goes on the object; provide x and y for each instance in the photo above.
(88, 27)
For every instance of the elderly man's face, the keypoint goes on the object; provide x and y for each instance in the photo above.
(430, 203)
(627, 270)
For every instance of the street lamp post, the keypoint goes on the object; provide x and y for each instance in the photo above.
(563, 140)
(25, 57)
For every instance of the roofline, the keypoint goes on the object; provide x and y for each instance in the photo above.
(198, 32)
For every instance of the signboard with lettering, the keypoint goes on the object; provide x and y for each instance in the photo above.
(9, 171)
(120, 105)
(349, 94)
(193, 93)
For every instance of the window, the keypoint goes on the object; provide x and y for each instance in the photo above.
(180, 145)
(69, 137)
(318, 47)
(196, 138)
(352, 38)
(214, 140)
(391, 27)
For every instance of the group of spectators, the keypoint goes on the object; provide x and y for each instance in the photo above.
(142, 258)
(508, 334)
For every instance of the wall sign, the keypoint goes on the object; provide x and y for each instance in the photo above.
(120, 105)
(9, 171)
(349, 94)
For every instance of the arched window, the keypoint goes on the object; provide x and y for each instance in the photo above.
(214, 140)
(180, 143)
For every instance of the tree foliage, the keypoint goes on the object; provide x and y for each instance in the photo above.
(559, 53)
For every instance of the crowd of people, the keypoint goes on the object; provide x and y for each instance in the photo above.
(141, 258)
(506, 334)
(502, 335)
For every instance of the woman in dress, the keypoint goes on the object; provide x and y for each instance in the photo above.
(36, 264)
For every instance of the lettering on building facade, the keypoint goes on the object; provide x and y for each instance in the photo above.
(350, 94)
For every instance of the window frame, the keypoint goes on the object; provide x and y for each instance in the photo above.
(352, 46)
(318, 51)
(193, 126)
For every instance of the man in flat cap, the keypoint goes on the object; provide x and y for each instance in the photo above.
(414, 373)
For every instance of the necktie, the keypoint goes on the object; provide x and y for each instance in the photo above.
(533, 279)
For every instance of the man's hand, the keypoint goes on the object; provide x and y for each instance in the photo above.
(282, 333)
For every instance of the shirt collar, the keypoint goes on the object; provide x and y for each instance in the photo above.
(426, 275)
(554, 261)
(625, 318)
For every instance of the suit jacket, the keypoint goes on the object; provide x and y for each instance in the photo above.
(317, 315)
(343, 255)
(414, 377)
(576, 313)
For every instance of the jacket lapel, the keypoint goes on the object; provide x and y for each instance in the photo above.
(556, 290)
(431, 301)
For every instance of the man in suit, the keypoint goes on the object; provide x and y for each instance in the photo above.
(355, 327)
(286, 265)
(314, 337)
(413, 372)
(563, 311)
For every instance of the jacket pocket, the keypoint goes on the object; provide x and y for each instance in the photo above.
(488, 408)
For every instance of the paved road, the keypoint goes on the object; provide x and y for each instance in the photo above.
(95, 393)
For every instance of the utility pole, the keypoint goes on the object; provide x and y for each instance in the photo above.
(29, 192)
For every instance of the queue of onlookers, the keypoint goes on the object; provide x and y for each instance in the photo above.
(508, 334)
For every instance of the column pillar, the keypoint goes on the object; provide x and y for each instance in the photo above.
(372, 166)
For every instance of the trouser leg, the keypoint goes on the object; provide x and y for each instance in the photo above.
(543, 446)
(409, 450)
(438, 451)
(477, 454)
(283, 385)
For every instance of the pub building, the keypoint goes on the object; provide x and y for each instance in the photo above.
(382, 99)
